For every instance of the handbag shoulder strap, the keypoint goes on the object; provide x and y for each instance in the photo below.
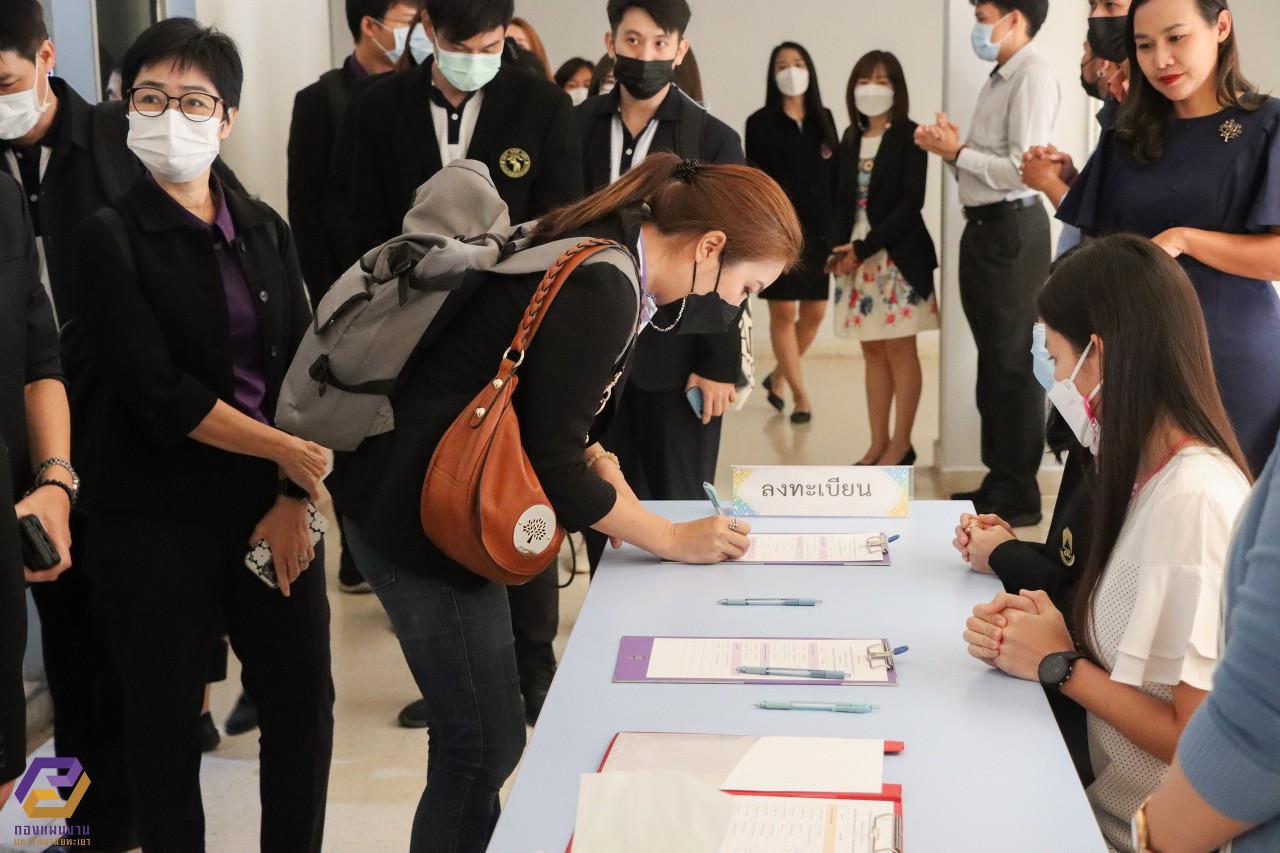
(555, 278)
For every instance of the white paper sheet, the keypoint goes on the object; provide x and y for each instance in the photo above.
(810, 765)
(807, 825)
(708, 658)
(643, 812)
(810, 548)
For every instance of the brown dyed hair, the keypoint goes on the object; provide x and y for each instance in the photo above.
(1146, 116)
(754, 213)
(535, 44)
(866, 67)
(1129, 292)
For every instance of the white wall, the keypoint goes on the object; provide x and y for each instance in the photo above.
(285, 45)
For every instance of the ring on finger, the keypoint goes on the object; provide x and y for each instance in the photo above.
(733, 525)
(304, 559)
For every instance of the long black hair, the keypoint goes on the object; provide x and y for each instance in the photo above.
(1156, 371)
(813, 108)
(1146, 116)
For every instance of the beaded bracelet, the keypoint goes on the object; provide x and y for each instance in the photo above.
(604, 454)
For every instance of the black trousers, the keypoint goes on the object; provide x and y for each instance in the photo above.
(535, 621)
(665, 451)
(87, 721)
(163, 584)
(1004, 263)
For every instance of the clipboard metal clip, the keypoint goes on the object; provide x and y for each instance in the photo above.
(878, 544)
(880, 654)
(893, 831)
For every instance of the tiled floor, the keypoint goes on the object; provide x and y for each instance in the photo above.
(378, 768)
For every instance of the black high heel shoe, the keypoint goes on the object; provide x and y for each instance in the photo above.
(774, 400)
(910, 458)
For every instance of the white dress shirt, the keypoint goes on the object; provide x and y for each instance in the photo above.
(1016, 110)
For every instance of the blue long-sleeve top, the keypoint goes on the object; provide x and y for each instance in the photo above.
(1230, 750)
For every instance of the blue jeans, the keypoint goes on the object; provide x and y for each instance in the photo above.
(459, 647)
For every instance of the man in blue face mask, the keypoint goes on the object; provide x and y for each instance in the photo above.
(1005, 251)
(461, 102)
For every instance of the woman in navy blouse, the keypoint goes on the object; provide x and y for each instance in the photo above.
(1193, 163)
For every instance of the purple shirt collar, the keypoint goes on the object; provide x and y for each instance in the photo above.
(354, 67)
(221, 216)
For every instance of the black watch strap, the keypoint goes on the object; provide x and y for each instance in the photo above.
(290, 489)
(1056, 668)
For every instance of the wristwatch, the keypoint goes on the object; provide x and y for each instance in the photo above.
(1139, 826)
(290, 489)
(1056, 668)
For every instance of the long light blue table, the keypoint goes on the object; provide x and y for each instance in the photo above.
(984, 767)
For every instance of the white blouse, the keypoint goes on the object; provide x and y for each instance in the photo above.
(1157, 614)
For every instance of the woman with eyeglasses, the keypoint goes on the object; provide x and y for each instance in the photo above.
(194, 305)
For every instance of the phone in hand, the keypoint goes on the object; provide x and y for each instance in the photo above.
(694, 396)
(39, 554)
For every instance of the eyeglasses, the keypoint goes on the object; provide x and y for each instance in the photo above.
(194, 106)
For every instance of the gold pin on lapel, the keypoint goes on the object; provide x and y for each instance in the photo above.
(1230, 130)
(515, 162)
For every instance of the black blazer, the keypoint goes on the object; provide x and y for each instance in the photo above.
(13, 638)
(663, 362)
(396, 151)
(318, 111)
(894, 202)
(157, 331)
(806, 167)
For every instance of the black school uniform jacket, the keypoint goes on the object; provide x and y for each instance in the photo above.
(894, 202)
(663, 362)
(396, 151)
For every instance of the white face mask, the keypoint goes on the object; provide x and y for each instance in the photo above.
(1075, 408)
(172, 147)
(792, 81)
(873, 99)
(578, 95)
(401, 36)
(21, 111)
(606, 88)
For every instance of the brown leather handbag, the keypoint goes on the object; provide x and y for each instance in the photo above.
(482, 504)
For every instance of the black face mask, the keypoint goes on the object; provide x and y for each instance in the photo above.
(643, 79)
(698, 313)
(1090, 89)
(1107, 38)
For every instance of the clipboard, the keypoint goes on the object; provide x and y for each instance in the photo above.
(636, 652)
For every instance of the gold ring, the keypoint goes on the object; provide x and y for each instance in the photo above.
(733, 525)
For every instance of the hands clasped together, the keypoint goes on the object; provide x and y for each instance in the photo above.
(1015, 632)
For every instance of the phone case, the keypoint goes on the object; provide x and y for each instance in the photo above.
(259, 561)
(38, 551)
(694, 396)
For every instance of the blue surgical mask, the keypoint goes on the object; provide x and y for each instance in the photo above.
(401, 35)
(469, 72)
(987, 49)
(1042, 364)
(419, 45)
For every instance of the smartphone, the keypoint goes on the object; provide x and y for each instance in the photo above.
(38, 551)
(694, 396)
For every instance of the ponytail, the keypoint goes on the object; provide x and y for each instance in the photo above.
(686, 197)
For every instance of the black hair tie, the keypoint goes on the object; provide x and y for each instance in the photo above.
(687, 170)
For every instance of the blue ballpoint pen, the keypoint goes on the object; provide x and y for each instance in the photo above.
(713, 497)
(777, 602)
(841, 707)
(832, 674)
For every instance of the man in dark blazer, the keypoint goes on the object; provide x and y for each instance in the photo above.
(406, 126)
(666, 451)
(379, 28)
(35, 426)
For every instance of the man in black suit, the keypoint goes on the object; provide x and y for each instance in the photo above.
(666, 451)
(464, 102)
(461, 102)
(380, 29)
(35, 430)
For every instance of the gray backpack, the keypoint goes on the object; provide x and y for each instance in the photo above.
(338, 389)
